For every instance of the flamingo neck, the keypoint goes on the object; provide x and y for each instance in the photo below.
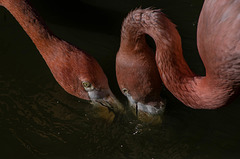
(65, 61)
(30, 22)
(194, 91)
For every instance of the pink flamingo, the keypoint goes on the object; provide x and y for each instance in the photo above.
(218, 39)
(77, 72)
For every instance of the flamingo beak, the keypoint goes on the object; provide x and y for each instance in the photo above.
(112, 103)
(105, 104)
(106, 99)
(151, 113)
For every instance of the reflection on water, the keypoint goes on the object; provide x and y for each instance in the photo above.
(38, 119)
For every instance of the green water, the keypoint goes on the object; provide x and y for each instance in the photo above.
(38, 119)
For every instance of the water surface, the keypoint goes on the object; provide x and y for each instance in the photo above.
(38, 119)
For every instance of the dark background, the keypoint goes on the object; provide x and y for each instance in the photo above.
(38, 119)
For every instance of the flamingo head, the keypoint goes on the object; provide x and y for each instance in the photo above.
(100, 96)
(80, 75)
(140, 82)
(94, 88)
(147, 107)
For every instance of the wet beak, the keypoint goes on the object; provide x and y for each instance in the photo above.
(111, 103)
(105, 98)
(107, 107)
(151, 113)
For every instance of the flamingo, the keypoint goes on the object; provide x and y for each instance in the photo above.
(218, 40)
(77, 73)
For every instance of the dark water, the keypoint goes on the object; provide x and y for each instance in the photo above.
(38, 119)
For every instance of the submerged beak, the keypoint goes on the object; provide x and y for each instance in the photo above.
(107, 107)
(148, 113)
(106, 99)
(112, 103)
(151, 113)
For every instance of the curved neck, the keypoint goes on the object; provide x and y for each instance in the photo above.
(30, 22)
(192, 90)
(64, 60)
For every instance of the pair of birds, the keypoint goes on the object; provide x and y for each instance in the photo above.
(139, 73)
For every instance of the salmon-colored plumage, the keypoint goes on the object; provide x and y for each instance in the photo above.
(218, 41)
(77, 72)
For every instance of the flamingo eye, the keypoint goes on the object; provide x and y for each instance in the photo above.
(87, 85)
(125, 91)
